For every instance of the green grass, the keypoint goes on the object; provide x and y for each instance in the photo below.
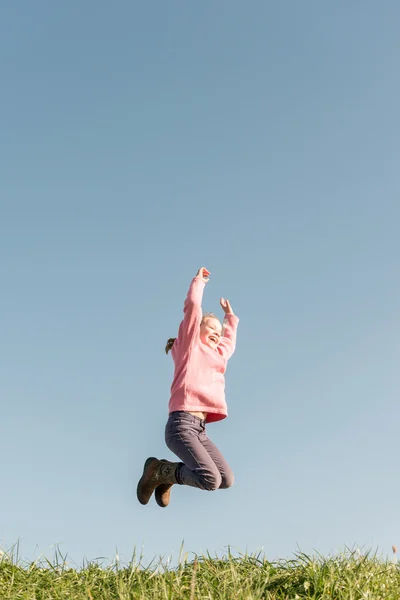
(350, 576)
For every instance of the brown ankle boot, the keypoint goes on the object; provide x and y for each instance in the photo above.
(163, 491)
(155, 472)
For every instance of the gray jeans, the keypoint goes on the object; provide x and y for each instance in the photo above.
(203, 464)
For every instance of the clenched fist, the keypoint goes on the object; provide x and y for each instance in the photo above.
(204, 274)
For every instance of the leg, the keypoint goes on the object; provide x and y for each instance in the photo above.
(182, 436)
(219, 460)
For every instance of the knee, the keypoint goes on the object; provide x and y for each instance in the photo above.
(227, 480)
(211, 481)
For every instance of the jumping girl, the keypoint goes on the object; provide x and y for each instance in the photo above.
(200, 353)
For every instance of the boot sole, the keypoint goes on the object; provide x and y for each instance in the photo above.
(158, 493)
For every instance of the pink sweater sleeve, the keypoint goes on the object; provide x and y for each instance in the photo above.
(192, 312)
(227, 342)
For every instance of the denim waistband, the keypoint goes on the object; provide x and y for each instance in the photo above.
(188, 416)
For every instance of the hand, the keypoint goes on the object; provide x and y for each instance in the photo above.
(226, 307)
(204, 274)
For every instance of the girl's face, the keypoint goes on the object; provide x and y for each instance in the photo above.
(210, 332)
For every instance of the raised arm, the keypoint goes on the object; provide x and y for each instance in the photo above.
(227, 342)
(192, 312)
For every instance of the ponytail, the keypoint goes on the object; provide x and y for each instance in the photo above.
(169, 345)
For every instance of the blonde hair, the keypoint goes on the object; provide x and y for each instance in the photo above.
(209, 316)
(171, 341)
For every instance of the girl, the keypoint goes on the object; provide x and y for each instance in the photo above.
(200, 353)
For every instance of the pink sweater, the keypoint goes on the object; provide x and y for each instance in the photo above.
(199, 383)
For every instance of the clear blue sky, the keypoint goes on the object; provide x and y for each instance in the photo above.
(140, 141)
